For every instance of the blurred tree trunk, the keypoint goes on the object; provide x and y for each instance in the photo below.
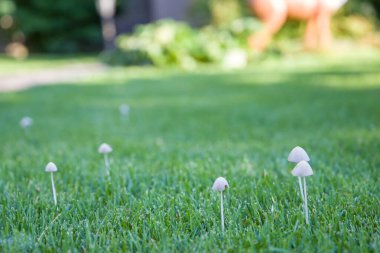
(107, 9)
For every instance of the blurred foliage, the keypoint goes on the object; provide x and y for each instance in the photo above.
(73, 26)
(367, 8)
(220, 11)
(60, 27)
(6, 7)
(354, 26)
(224, 11)
(65, 26)
(168, 42)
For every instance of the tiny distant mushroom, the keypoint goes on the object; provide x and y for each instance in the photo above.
(297, 155)
(105, 149)
(220, 185)
(26, 122)
(303, 169)
(124, 110)
(51, 168)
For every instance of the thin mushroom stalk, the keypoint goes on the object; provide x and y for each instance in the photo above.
(25, 123)
(51, 168)
(26, 131)
(220, 185)
(124, 111)
(221, 211)
(107, 164)
(53, 189)
(301, 188)
(305, 201)
(105, 149)
(304, 170)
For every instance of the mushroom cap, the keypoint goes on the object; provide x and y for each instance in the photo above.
(26, 122)
(302, 169)
(220, 184)
(51, 167)
(124, 109)
(104, 148)
(297, 155)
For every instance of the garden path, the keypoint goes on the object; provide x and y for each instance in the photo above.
(73, 72)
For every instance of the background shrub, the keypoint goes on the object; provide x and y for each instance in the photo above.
(168, 42)
(68, 26)
(59, 26)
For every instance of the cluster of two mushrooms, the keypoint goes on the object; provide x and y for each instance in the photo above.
(51, 167)
(302, 170)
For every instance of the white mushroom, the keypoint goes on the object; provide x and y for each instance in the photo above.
(303, 169)
(297, 155)
(51, 168)
(220, 185)
(26, 122)
(124, 110)
(105, 149)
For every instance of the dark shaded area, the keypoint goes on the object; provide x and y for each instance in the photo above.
(132, 13)
(59, 27)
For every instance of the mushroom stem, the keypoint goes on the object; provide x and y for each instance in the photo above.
(301, 189)
(27, 133)
(107, 163)
(221, 210)
(305, 199)
(53, 189)
(124, 118)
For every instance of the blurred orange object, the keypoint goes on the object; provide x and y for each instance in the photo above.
(274, 13)
(17, 50)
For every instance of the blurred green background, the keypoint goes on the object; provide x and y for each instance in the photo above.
(72, 26)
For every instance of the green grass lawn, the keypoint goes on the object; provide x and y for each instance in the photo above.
(9, 66)
(185, 130)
